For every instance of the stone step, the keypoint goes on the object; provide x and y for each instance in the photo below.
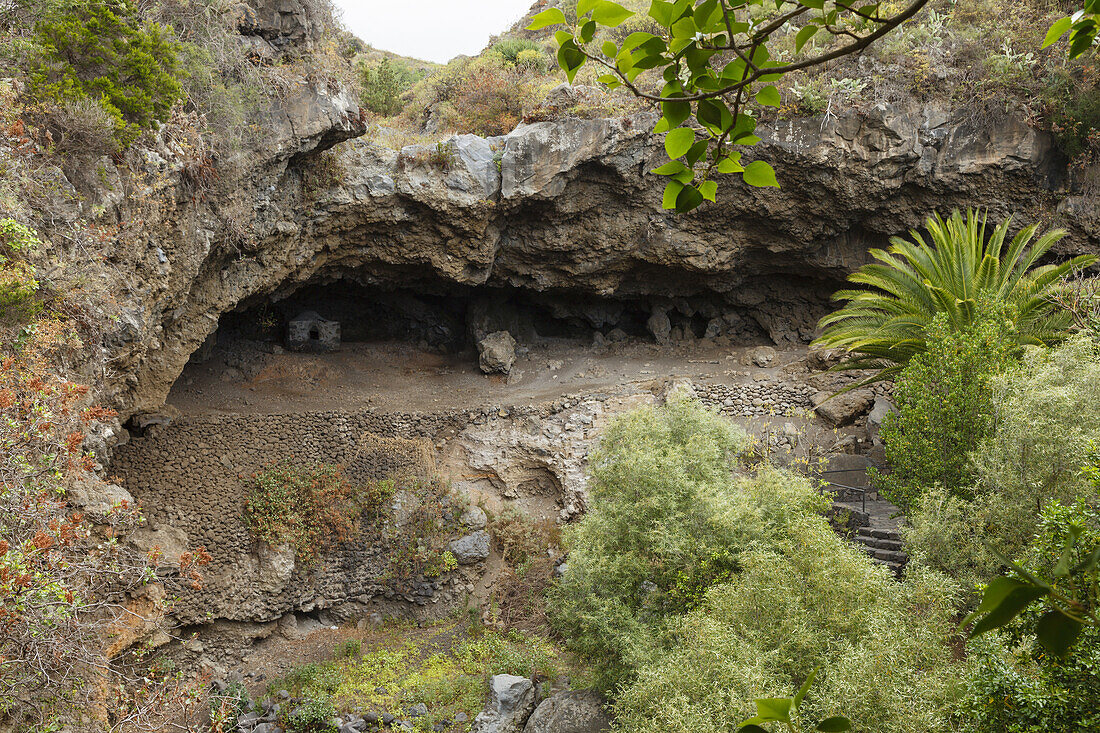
(895, 545)
(890, 556)
(879, 534)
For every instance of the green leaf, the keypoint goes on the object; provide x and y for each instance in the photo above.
(670, 168)
(1057, 632)
(774, 708)
(583, 6)
(610, 80)
(1009, 608)
(709, 190)
(587, 32)
(769, 96)
(679, 141)
(684, 28)
(570, 58)
(697, 151)
(1057, 31)
(548, 17)
(610, 49)
(562, 36)
(732, 164)
(1062, 568)
(835, 724)
(1090, 562)
(675, 113)
(815, 4)
(672, 190)
(636, 39)
(804, 36)
(801, 694)
(661, 12)
(689, 198)
(760, 174)
(610, 14)
(751, 728)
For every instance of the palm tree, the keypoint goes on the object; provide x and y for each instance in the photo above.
(883, 324)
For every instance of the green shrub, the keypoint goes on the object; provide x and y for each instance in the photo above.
(384, 84)
(1013, 684)
(312, 716)
(1045, 417)
(945, 406)
(803, 600)
(664, 504)
(532, 60)
(102, 50)
(228, 705)
(310, 507)
(512, 48)
(18, 284)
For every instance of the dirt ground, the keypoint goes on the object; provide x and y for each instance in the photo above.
(399, 377)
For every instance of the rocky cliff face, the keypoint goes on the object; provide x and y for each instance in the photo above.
(562, 207)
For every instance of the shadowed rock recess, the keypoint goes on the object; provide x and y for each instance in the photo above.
(559, 209)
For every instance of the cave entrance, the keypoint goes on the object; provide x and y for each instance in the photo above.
(453, 320)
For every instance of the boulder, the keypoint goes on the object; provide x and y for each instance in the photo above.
(497, 353)
(844, 408)
(659, 325)
(881, 408)
(474, 518)
(760, 356)
(169, 542)
(576, 711)
(97, 497)
(470, 549)
(511, 701)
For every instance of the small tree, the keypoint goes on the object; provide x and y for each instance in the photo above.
(104, 51)
(945, 406)
(884, 323)
(383, 86)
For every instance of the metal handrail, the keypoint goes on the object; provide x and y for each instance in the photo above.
(862, 492)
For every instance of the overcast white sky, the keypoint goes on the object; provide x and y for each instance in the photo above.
(434, 30)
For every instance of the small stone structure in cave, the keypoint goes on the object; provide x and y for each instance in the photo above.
(309, 331)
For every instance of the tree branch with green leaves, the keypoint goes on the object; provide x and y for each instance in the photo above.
(718, 70)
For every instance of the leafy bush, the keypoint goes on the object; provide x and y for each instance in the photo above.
(310, 507)
(227, 706)
(1014, 684)
(104, 51)
(511, 48)
(384, 84)
(1045, 417)
(67, 585)
(17, 281)
(801, 600)
(664, 502)
(945, 406)
(532, 60)
(312, 716)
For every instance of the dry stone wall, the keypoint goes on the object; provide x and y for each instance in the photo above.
(193, 475)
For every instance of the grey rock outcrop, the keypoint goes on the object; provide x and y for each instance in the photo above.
(511, 700)
(497, 353)
(879, 410)
(570, 712)
(844, 408)
(470, 549)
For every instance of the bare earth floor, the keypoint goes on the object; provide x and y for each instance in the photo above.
(394, 376)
